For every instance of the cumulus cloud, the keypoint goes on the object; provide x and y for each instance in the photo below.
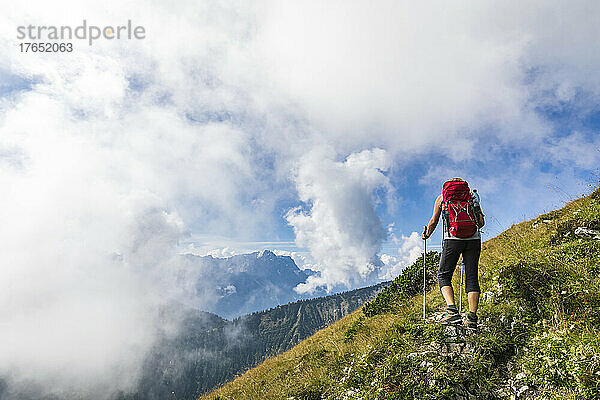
(405, 72)
(411, 73)
(577, 150)
(409, 249)
(79, 301)
(340, 226)
(103, 175)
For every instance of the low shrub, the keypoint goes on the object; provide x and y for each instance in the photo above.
(354, 328)
(408, 284)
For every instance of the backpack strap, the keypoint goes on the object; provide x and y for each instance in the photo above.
(458, 209)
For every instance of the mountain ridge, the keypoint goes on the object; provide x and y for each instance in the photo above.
(245, 283)
(209, 350)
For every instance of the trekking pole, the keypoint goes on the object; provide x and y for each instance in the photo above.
(424, 269)
(462, 270)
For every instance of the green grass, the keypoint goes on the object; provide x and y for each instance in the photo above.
(540, 315)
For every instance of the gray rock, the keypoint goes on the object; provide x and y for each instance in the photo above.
(587, 233)
(463, 394)
(453, 333)
(522, 390)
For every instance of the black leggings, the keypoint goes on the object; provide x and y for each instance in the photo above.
(470, 250)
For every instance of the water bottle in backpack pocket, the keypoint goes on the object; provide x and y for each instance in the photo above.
(476, 205)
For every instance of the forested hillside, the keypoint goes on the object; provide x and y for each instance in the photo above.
(207, 350)
(538, 338)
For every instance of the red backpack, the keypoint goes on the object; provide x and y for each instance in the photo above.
(457, 207)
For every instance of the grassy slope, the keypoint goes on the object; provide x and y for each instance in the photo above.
(540, 314)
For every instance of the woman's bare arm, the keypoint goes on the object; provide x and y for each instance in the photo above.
(435, 218)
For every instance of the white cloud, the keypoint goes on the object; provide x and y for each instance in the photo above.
(340, 227)
(107, 182)
(408, 73)
(576, 150)
(410, 248)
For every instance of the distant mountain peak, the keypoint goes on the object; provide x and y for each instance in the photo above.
(266, 254)
(246, 283)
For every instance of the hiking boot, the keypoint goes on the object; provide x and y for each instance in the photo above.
(471, 322)
(451, 318)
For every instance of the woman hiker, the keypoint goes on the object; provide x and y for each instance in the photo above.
(462, 220)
